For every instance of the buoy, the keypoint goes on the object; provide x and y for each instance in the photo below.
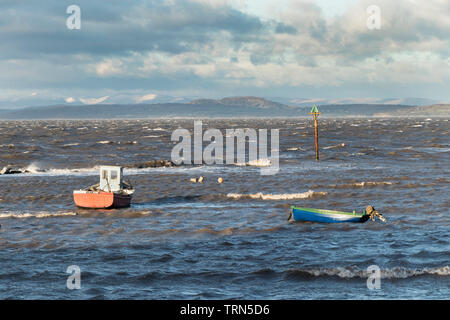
(195, 180)
(220, 180)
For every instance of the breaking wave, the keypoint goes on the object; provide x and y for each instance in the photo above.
(361, 184)
(70, 145)
(35, 215)
(284, 196)
(349, 273)
(34, 169)
(256, 163)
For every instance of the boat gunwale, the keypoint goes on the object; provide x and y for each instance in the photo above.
(325, 211)
(117, 193)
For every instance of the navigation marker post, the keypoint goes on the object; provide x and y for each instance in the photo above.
(315, 113)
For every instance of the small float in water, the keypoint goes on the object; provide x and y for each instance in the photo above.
(331, 216)
(112, 191)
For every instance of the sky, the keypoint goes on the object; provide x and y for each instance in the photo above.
(145, 51)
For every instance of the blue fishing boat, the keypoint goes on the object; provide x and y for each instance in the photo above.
(332, 216)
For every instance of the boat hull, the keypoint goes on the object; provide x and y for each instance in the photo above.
(100, 200)
(326, 216)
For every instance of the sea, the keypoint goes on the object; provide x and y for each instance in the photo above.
(230, 240)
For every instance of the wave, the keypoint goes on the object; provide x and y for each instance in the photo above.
(35, 169)
(71, 144)
(295, 149)
(35, 215)
(361, 184)
(57, 172)
(434, 149)
(207, 231)
(349, 273)
(256, 163)
(284, 196)
(10, 145)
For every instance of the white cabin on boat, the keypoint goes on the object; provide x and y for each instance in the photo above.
(111, 178)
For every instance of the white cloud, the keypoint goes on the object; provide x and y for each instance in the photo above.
(109, 67)
(326, 50)
(147, 97)
(70, 99)
(229, 51)
(94, 100)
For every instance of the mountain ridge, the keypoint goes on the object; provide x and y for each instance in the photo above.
(241, 106)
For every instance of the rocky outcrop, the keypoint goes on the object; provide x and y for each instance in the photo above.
(9, 169)
(152, 164)
(12, 170)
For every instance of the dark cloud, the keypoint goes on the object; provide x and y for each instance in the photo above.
(117, 27)
(192, 45)
(284, 28)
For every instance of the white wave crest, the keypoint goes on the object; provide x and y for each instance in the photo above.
(35, 215)
(284, 196)
(393, 273)
(256, 163)
(362, 184)
(33, 168)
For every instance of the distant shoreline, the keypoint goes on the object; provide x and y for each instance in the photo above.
(235, 118)
(235, 108)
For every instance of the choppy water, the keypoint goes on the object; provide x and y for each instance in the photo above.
(180, 240)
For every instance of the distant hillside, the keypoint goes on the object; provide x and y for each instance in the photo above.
(437, 110)
(241, 102)
(226, 107)
(299, 102)
(348, 110)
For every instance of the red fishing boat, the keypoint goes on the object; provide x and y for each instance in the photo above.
(111, 192)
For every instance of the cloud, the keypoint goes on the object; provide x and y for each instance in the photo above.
(119, 27)
(220, 47)
(147, 97)
(69, 100)
(108, 67)
(94, 100)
